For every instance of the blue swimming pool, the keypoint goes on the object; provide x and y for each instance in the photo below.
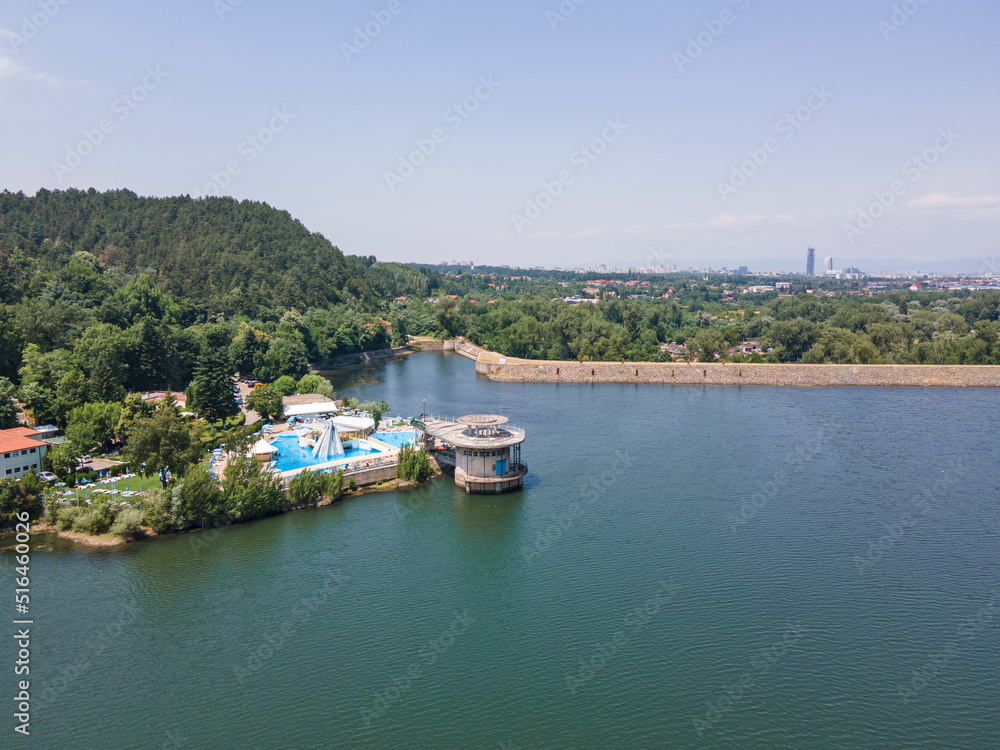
(396, 439)
(291, 456)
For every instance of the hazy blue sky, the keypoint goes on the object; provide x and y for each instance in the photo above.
(285, 102)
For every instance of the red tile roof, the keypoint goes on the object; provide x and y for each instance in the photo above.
(20, 432)
(10, 442)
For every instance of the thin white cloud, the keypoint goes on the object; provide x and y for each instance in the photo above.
(638, 229)
(978, 207)
(941, 200)
(792, 221)
(582, 234)
(726, 220)
(9, 67)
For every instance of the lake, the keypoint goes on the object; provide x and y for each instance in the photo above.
(686, 567)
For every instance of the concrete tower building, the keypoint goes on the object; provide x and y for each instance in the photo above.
(484, 453)
(811, 263)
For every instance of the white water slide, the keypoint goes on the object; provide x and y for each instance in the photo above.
(328, 443)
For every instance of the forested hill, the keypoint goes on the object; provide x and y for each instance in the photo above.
(106, 293)
(224, 256)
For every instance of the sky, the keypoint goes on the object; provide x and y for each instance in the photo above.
(531, 132)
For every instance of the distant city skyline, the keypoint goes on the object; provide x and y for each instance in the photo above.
(733, 133)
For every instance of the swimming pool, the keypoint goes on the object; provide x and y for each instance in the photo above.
(291, 456)
(396, 439)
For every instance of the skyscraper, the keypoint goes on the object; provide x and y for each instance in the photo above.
(811, 263)
(829, 264)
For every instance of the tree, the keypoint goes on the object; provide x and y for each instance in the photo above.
(212, 387)
(399, 331)
(93, 425)
(249, 490)
(375, 409)
(313, 383)
(248, 345)
(20, 496)
(8, 409)
(285, 386)
(305, 489)
(133, 410)
(413, 465)
(265, 402)
(164, 441)
(199, 495)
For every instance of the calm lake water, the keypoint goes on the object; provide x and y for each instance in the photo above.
(686, 567)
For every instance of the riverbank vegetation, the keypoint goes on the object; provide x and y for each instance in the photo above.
(414, 465)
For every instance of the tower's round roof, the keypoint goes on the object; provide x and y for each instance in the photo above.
(482, 420)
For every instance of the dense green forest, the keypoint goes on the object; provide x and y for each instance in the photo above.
(106, 293)
(102, 294)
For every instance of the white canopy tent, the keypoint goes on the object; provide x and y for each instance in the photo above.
(313, 409)
(262, 448)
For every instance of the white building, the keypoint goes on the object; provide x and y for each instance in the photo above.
(20, 452)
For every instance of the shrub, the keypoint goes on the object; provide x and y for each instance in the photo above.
(352, 486)
(305, 488)
(94, 520)
(333, 485)
(413, 465)
(161, 511)
(127, 524)
(66, 517)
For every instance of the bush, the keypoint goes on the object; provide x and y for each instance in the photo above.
(333, 485)
(413, 465)
(127, 524)
(95, 520)
(353, 485)
(66, 517)
(305, 489)
(161, 512)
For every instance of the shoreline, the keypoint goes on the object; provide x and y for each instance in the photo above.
(502, 369)
(107, 541)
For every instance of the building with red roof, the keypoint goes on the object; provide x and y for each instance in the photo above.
(19, 452)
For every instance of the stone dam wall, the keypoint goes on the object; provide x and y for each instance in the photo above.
(511, 370)
(923, 376)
